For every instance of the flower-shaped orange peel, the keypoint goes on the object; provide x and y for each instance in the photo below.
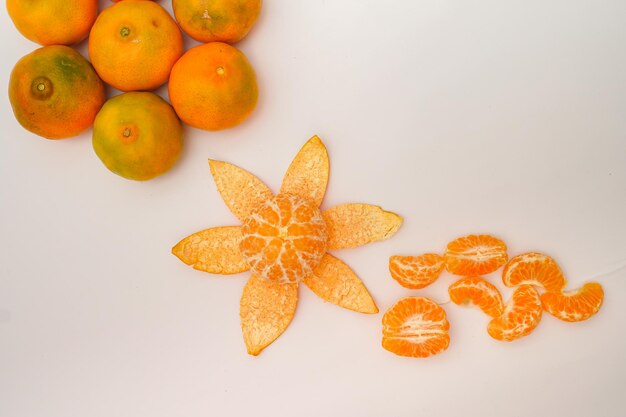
(284, 241)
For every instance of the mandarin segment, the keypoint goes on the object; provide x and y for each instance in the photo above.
(416, 272)
(475, 255)
(307, 176)
(415, 327)
(266, 309)
(534, 269)
(284, 239)
(352, 225)
(576, 305)
(241, 191)
(213, 250)
(477, 291)
(520, 316)
(335, 282)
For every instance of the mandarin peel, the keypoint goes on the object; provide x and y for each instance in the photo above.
(283, 240)
(307, 176)
(213, 250)
(353, 225)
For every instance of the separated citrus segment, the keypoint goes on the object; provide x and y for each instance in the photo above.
(55, 93)
(213, 250)
(576, 305)
(284, 239)
(475, 255)
(415, 327)
(520, 316)
(137, 135)
(352, 225)
(133, 45)
(534, 269)
(335, 282)
(307, 176)
(266, 309)
(213, 86)
(53, 22)
(416, 271)
(477, 291)
(217, 20)
(241, 191)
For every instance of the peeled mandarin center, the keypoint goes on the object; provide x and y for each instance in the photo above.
(284, 239)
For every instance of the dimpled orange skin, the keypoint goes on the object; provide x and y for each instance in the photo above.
(213, 87)
(55, 93)
(284, 239)
(137, 135)
(216, 21)
(53, 22)
(134, 44)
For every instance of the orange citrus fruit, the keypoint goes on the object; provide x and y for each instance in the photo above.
(284, 239)
(54, 92)
(213, 86)
(520, 316)
(137, 135)
(218, 20)
(134, 44)
(416, 271)
(577, 305)
(477, 291)
(415, 327)
(534, 269)
(53, 22)
(475, 255)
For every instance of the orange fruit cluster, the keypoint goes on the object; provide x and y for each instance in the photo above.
(134, 46)
(409, 331)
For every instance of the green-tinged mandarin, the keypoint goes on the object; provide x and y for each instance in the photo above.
(55, 92)
(53, 22)
(217, 20)
(137, 135)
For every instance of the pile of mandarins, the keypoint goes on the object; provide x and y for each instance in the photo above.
(135, 46)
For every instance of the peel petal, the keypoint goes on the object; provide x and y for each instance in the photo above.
(213, 250)
(352, 225)
(266, 309)
(335, 282)
(241, 191)
(307, 176)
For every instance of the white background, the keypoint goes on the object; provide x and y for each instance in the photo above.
(501, 117)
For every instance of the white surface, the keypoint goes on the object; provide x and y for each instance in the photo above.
(485, 116)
